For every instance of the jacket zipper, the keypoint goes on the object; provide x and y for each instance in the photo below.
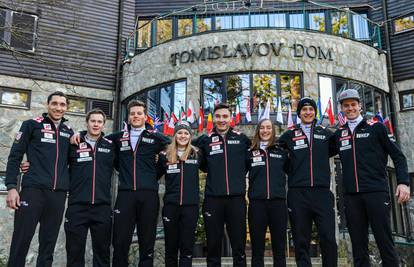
(310, 154)
(94, 172)
(57, 158)
(267, 175)
(355, 168)
(181, 183)
(135, 158)
(225, 162)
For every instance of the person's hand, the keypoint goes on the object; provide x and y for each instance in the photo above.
(13, 199)
(24, 166)
(402, 193)
(75, 139)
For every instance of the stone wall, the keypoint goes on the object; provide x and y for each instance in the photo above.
(350, 59)
(10, 121)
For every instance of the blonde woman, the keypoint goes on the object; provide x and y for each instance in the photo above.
(180, 164)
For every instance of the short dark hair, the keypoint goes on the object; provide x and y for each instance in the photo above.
(58, 93)
(136, 103)
(95, 111)
(221, 106)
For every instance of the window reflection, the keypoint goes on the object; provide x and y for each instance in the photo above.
(223, 22)
(264, 88)
(77, 105)
(203, 24)
(212, 93)
(325, 92)
(404, 24)
(165, 101)
(238, 91)
(185, 27)
(339, 21)
(360, 24)
(277, 20)
(369, 102)
(290, 87)
(379, 107)
(317, 21)
(179, 97)
(152, 102)
(258, 20)
(240, 21)
(144, 33)
(19, 99)
(164, 30)
(296, 21)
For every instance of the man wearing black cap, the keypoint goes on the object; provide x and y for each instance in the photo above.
(309, 196)
(364, 147)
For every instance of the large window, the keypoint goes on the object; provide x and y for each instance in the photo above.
(407, 100)
(164, 30)
(162, 100)
(404, 24)
(360, 26)
(185, 27)
(317, 21)
(223, 22)
(18, 30)
(296, 21)
(144, 33)
(252, 90)
(277, 20)
(339, 22)
(203, 24)
(14, 97)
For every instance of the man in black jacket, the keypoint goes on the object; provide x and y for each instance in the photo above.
(45, 141)
(364, 147)
(309, 196)
(224, 151)
(89, 207)
(137, 202)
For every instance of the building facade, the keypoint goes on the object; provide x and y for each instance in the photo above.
(246, 53)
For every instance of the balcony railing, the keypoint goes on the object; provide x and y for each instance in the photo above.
(213, 16)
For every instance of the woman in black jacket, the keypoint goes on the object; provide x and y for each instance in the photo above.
(180, 164)
(267, 194)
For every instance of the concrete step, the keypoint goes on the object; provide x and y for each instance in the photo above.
(290, 262)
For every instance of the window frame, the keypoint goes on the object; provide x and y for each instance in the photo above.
(401, 95)
(403, 31)
(88, 105)
(15, 90)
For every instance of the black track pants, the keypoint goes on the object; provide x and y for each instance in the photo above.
(37, 206)
(263, 213)
(313, 204)
(140, 209)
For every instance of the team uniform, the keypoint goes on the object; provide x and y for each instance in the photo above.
(364, 155)
(267, 202)
(89, 204)
(224, 203)
(309, 196)
(180, 211)
(44, 186)
(137, 202)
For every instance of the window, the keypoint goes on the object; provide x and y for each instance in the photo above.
(407, 100)
(257, 88)
(81, 105)
(203, 24)
(14, 97)
(185, 27)
(223, 22)
(3, 181)
(404, 24)
(258, 20)
(317, 22)
(240, 21)
(144, 33)
(164, 30)
(296, 21)
(369, 101)
(360, 25)
(325, 92)
(277, 20)
(379, 103)
(18, 30)
(339, 22)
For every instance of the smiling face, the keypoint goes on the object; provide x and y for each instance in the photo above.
(351, 108)
(266, 130)
(95, 125)
(307, 114)
(182, 137)
(57, 107)
(137, 117)
(222, 119)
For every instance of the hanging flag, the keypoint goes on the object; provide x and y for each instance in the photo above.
(171, 124)
(238, 115)
(209, 125)
(190, 112)
(266, 112)
(259, 112)
(290, 123)
(173, 118)
(182, 114)
(342, 118)
(298, 120)
(248, 114)
(388, 124)
(150, 121)
(233, 121)
(279, 115)
(157, 124)
(378, 117)
(329, 111)
(165, 126)
(201, 120)
(319, 115)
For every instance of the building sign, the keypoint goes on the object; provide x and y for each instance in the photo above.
(247, 50)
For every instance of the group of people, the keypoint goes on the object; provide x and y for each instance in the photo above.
(287, 176)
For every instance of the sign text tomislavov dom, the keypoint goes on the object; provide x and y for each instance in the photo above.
(246, 50)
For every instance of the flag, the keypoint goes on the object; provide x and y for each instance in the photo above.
(329, 111)
(157, 124)
(266, 112)
(150, 120)
(248, 114)
(279, 116)
(171, 124)
(388, 124)
(319, 111)
(201, 120)
(289, 118)
(342, 118)
(173, 117)
(190, 112)
(378, 117)
(233, 120)
(166, 122)
(209, 125)
(259, 112)
(298, 120)
(238, 115)
(182, 114)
